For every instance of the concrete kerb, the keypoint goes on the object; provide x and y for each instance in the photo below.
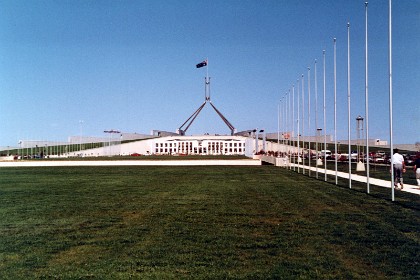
(363, 179)
(240, 162)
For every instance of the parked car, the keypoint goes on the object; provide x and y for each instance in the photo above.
(343, 157)
(378, 160)
(410, 160)
(325, 153)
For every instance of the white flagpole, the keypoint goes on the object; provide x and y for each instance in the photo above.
(207, 67)
(207, 80)
(298, 124)
(303, 125)
(283, 115)
(293, 124)
(278, 128)
(366, 98)
(288, 128)
(309, 120)
(325, 124)
(285, 124)
(316, 120)
(281, 123)
(390, 101)
(348, 99)
(335, 109)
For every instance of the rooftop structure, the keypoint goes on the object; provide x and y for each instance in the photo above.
(184, 127)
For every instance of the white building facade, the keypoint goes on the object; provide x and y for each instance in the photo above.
(178, 145)
(203, 145)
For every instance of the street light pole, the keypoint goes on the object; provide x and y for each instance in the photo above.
(81, 135)
(111, 132)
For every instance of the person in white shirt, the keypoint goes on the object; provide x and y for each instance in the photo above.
(398, 164)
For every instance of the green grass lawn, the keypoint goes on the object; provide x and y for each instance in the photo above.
(197, 222)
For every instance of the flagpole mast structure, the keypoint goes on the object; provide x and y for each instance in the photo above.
(303, 125)
(293, 123)
(366, 98)
(298, 125)
(283, 115)
(335, 110)
(309, 121)
(348, 99)
(316, 118)
(390, 101)
(181, 130)
(207, 88)
(287, 123)
(289, 130)
(325, 122)
(282, 124)
(278, 127)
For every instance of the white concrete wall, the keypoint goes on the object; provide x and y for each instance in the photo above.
(148, 146)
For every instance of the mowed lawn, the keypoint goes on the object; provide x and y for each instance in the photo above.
(220, 222)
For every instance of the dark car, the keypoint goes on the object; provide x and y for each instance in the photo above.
(410, 160)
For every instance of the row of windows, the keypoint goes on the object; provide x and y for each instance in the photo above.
(210, 144)
(197, 151)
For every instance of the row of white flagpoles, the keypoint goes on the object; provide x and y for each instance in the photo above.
(301, 89)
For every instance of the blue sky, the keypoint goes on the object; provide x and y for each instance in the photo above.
(130, 65)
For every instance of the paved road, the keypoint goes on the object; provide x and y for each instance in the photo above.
(377, 182)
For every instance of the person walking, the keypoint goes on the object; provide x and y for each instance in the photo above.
(398, 164)
(417, 168)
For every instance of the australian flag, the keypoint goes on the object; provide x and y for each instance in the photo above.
(202, 64)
